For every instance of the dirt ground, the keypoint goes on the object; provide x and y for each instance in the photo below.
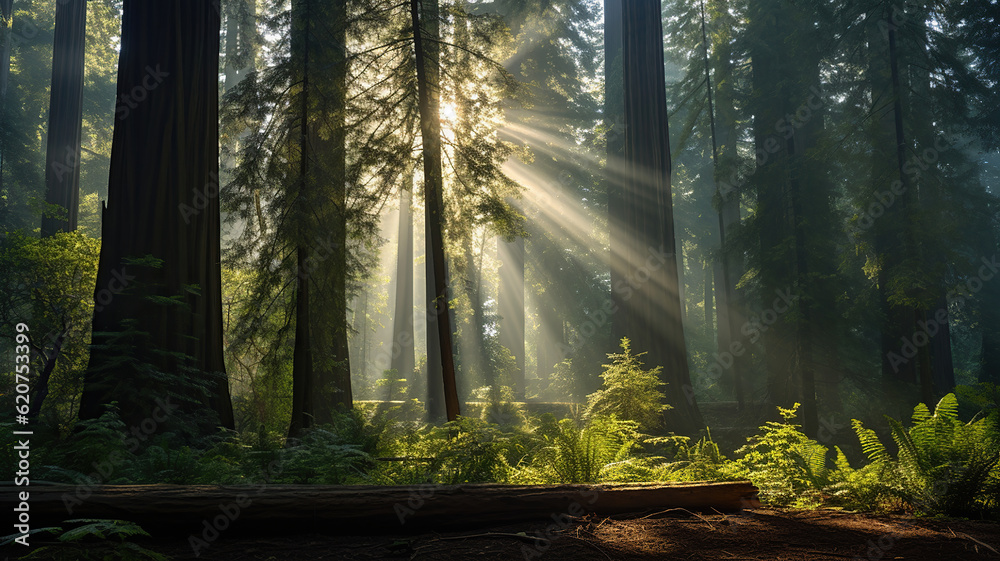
(758, 534)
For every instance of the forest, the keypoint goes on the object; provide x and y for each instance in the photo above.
(730, 266)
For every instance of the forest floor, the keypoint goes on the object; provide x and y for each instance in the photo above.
(756, 534)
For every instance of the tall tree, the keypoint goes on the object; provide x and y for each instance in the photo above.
(162, 202)
(729, 266)
(321, 367)
(652, 313)
(7, 13)
(426, 37)
(794, 219)
(62, 161)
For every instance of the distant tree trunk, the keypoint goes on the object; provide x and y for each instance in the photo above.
(430, 132)
(472, 345)
(989, 359)
(62, 155)
(403, 360)
(240, 52)
(510, 306)
(708, 298)
(550, 347)
(653, 313)
(910, 371)
(730, 316)
(7, 12)
(162, 201)
(793, 198)
(943, 364)
(989, 325)
(614, 122)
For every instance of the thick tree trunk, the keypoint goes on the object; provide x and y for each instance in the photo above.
(403, 360)
(162, 201)
(510, 306)
(62, 155)
(777, 263)
(425, 26)
(614, 122)
(653, 313)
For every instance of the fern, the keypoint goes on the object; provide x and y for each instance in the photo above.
(788, 467)
(96, 539)
(942, 466)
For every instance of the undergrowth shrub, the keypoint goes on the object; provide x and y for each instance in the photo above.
(943, 465)
(628, 391)
(788, 467)
(92, 540)
(584, 454)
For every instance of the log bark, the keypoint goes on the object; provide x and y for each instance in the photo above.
(380, 508)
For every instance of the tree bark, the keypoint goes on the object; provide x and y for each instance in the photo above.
(653, 313)
(162, 201)
(428, 81)
(302, 365)
(614, 123)
(62, 154)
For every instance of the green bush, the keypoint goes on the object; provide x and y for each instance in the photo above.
(787, 466)
(629, 392)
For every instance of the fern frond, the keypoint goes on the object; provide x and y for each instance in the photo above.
(870, 443)
(920, 414)
(947, 408)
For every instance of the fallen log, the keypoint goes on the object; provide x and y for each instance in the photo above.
(357, 508)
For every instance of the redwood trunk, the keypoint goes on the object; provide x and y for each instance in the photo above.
(653, 313)
(62, 155)
(162, 201)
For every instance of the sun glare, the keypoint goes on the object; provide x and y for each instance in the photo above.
(449, 112)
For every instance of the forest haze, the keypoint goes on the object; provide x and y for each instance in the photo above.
(516, 241)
